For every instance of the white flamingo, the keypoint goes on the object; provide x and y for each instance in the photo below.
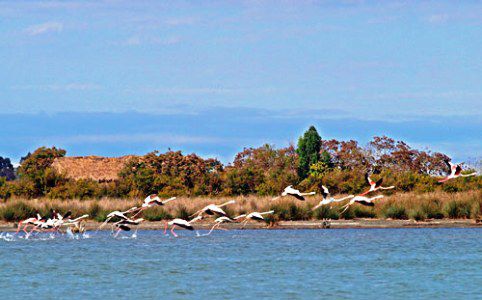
(257, 216)
(375, 185)
(75, 222)
(361, 200)
(455, 172)
(151, 201)
(214, 209)
(328, 199)
(118, 214)
(125, 225)
(28, 222)
(222, 220)
(290, 191)
(181, 223)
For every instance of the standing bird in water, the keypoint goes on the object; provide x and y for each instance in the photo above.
(375, 185)
(361, 200)
(327, 198)
(290, 191)
(455, 172)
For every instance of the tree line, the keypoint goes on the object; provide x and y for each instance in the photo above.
(266, 170)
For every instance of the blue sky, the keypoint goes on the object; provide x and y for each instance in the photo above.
(121, 77)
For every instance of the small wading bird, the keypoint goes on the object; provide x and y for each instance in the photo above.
(214, 209)
(151, 201)
(257, 216)
(181, 223)
(455, 172)
(125, 225)
(361, 200)
(290, 191)
(118, 214)
(328, 199)
(375, 185)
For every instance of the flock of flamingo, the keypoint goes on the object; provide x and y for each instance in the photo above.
(126, 220)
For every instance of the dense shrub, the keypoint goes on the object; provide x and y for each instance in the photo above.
(395, 211)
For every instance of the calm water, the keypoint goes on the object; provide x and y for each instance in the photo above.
(275, 264)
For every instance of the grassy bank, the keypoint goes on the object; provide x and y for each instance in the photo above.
(437, 205)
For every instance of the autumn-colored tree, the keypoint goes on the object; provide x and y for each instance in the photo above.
(172, 173)
(262, 170)
(309, 146)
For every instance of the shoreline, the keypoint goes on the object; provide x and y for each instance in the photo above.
(315, 224)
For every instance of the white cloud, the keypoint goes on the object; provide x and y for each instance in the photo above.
(59, 87)
(44, 28)
(138, 138)
(140, 40)
(181, 21)
(438, 18)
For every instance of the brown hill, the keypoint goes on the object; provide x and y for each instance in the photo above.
(91, 167)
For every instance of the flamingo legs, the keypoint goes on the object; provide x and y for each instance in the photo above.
(172, 230)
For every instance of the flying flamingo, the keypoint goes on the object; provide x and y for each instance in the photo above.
(327, 198)
(181, 223)
(257, 216)
(28, 222)
(118, 214)
(290, 191)
(222, 220)
(361, 200)
(455, 172)
(74, 222)
(214, 209)
(124, 225)
(151, 201)
(375, 186)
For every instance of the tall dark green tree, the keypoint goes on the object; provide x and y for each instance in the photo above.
(6, 169)
(309, 146)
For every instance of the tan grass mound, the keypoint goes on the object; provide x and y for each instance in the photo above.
(91, 167)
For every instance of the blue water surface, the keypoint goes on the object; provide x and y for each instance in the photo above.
(247, 264)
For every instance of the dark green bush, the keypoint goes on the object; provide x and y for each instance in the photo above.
(395, 211)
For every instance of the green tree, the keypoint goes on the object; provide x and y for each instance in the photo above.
(309, 146)
(36, 170)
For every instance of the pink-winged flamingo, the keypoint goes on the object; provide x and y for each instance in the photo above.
(375, 185)
(455, 172)
(363, 200)
(328, 199)
(290, 191)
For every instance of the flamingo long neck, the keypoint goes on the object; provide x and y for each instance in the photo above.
(239, 217)
(346, 198)
(168, 200)
(226, 203)
(196, 219)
